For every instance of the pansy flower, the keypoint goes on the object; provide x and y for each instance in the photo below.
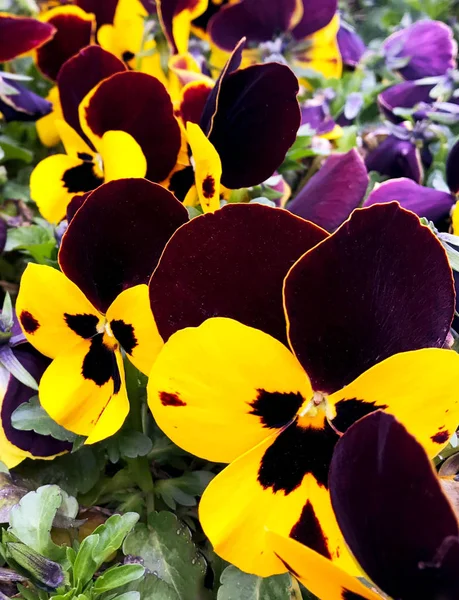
(176, 17)
(97, 307)
(394, 516)
(351, 46)
(367, 312)
(123, 127)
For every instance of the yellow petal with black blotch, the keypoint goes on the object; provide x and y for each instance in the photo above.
(122, 156)
(74, 145)
(78, 386)
(54, 314)
(115, 411)
(133, 325)
(323, 54)
(230, 383)
(124, 37)
(46, 126)
(275, 486)
(420, 388)
(207, 169)
(317, 573)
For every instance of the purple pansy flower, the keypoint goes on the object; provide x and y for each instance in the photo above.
(351, 46)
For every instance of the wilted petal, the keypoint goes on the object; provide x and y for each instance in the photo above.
(23, 106)
(452, 168)
(424, 201)
(20, 35)
(403, 95)
(316, 15)
(351, 46)
(396, 158)
(333, 192)
(429, 46)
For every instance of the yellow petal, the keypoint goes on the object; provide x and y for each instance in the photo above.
(46, 299)
(323, 55)
(208, 382)
(46, 126)
(122, 156)
(73, 143)
(132, 323)
(208, 168)
(420, 388)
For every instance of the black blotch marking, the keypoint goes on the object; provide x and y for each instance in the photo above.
(308, 531)
(99, 364)
(348, 595)
(294, 453)
(276, 409)
(84, 325)
(441, 437)
(29, 322)
(181, 182)
(81, 178)
(350, 411)
(208, 186)
(171, 399)
(127, 56)
(287, 566)
(84, 156)
(124, 333)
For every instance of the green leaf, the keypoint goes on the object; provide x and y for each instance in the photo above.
(112, 534)
(132, 444)
(348, 140)
(85, 566)
(12, 151)
(129, 596)
(117, 576)
(169, 553)
(36, 240)
(237, 585)
(31, 416)
(41, 569)
(183, 490)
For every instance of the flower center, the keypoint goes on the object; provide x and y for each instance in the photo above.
(314, 411)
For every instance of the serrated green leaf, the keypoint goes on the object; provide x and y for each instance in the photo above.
(117, 576)
(133, 444)
(169, 553)
(237, 585)
(31, 416)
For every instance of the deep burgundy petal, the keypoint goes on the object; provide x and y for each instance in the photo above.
(104, 10)
(380, 285)
(452, 168)
(168, 9)
(256, 122)
(351, 46)
(257, 21)
(333, 192)
(20, 35)
(230, 264)
(194, 98)
(115, 239)
(316, 15)
(396, 158)
(72, 34)
(79, 75)
(16, 394)
(403, 95)
(393, 514)
(140, 105)
(424, 201)
(23, 106)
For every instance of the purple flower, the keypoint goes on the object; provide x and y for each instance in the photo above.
(23, 105)
(351, 46)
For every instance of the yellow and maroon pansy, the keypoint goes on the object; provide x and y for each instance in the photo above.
(279, 412)
(176, 17)
(98, 305)
(19, 35)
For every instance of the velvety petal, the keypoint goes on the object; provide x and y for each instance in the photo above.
(23, 106)
(104, 10)
(236, 262)
(79, 75)
(333, 192)
(396, 158)
(74, 30)
(256, 122)
(385, 493)
(321, 52)
(15, 445)
(403, 95)
(176, 17)
(139, 105)
(193, 100)
(243, 386)
(382, 274)
(258, 22)
(351, 46)
(316, 15)
(429, 45)
(91, 254)
(452, 169)
(19, 35)
(424, 201)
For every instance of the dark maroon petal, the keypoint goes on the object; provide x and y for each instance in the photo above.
(75, 203)
(73, 33)
(256, 122)
(23, 106)
(429, 45)
(230, 264)
(140, 105)
(168, 9)
(255, 20)
(333, 192)
(79, 75)
(210, 108)
(452, 168)
(316, 15)
(317, 117)
(115, 239)
(425, 202)
(378, 286)
(20, 35)
(3, 233)
(351, 46)
(104, 10)
(16, 394)
(201, 23)
(396, 158)
(403, 95)
(194, 98)
(393, 514)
